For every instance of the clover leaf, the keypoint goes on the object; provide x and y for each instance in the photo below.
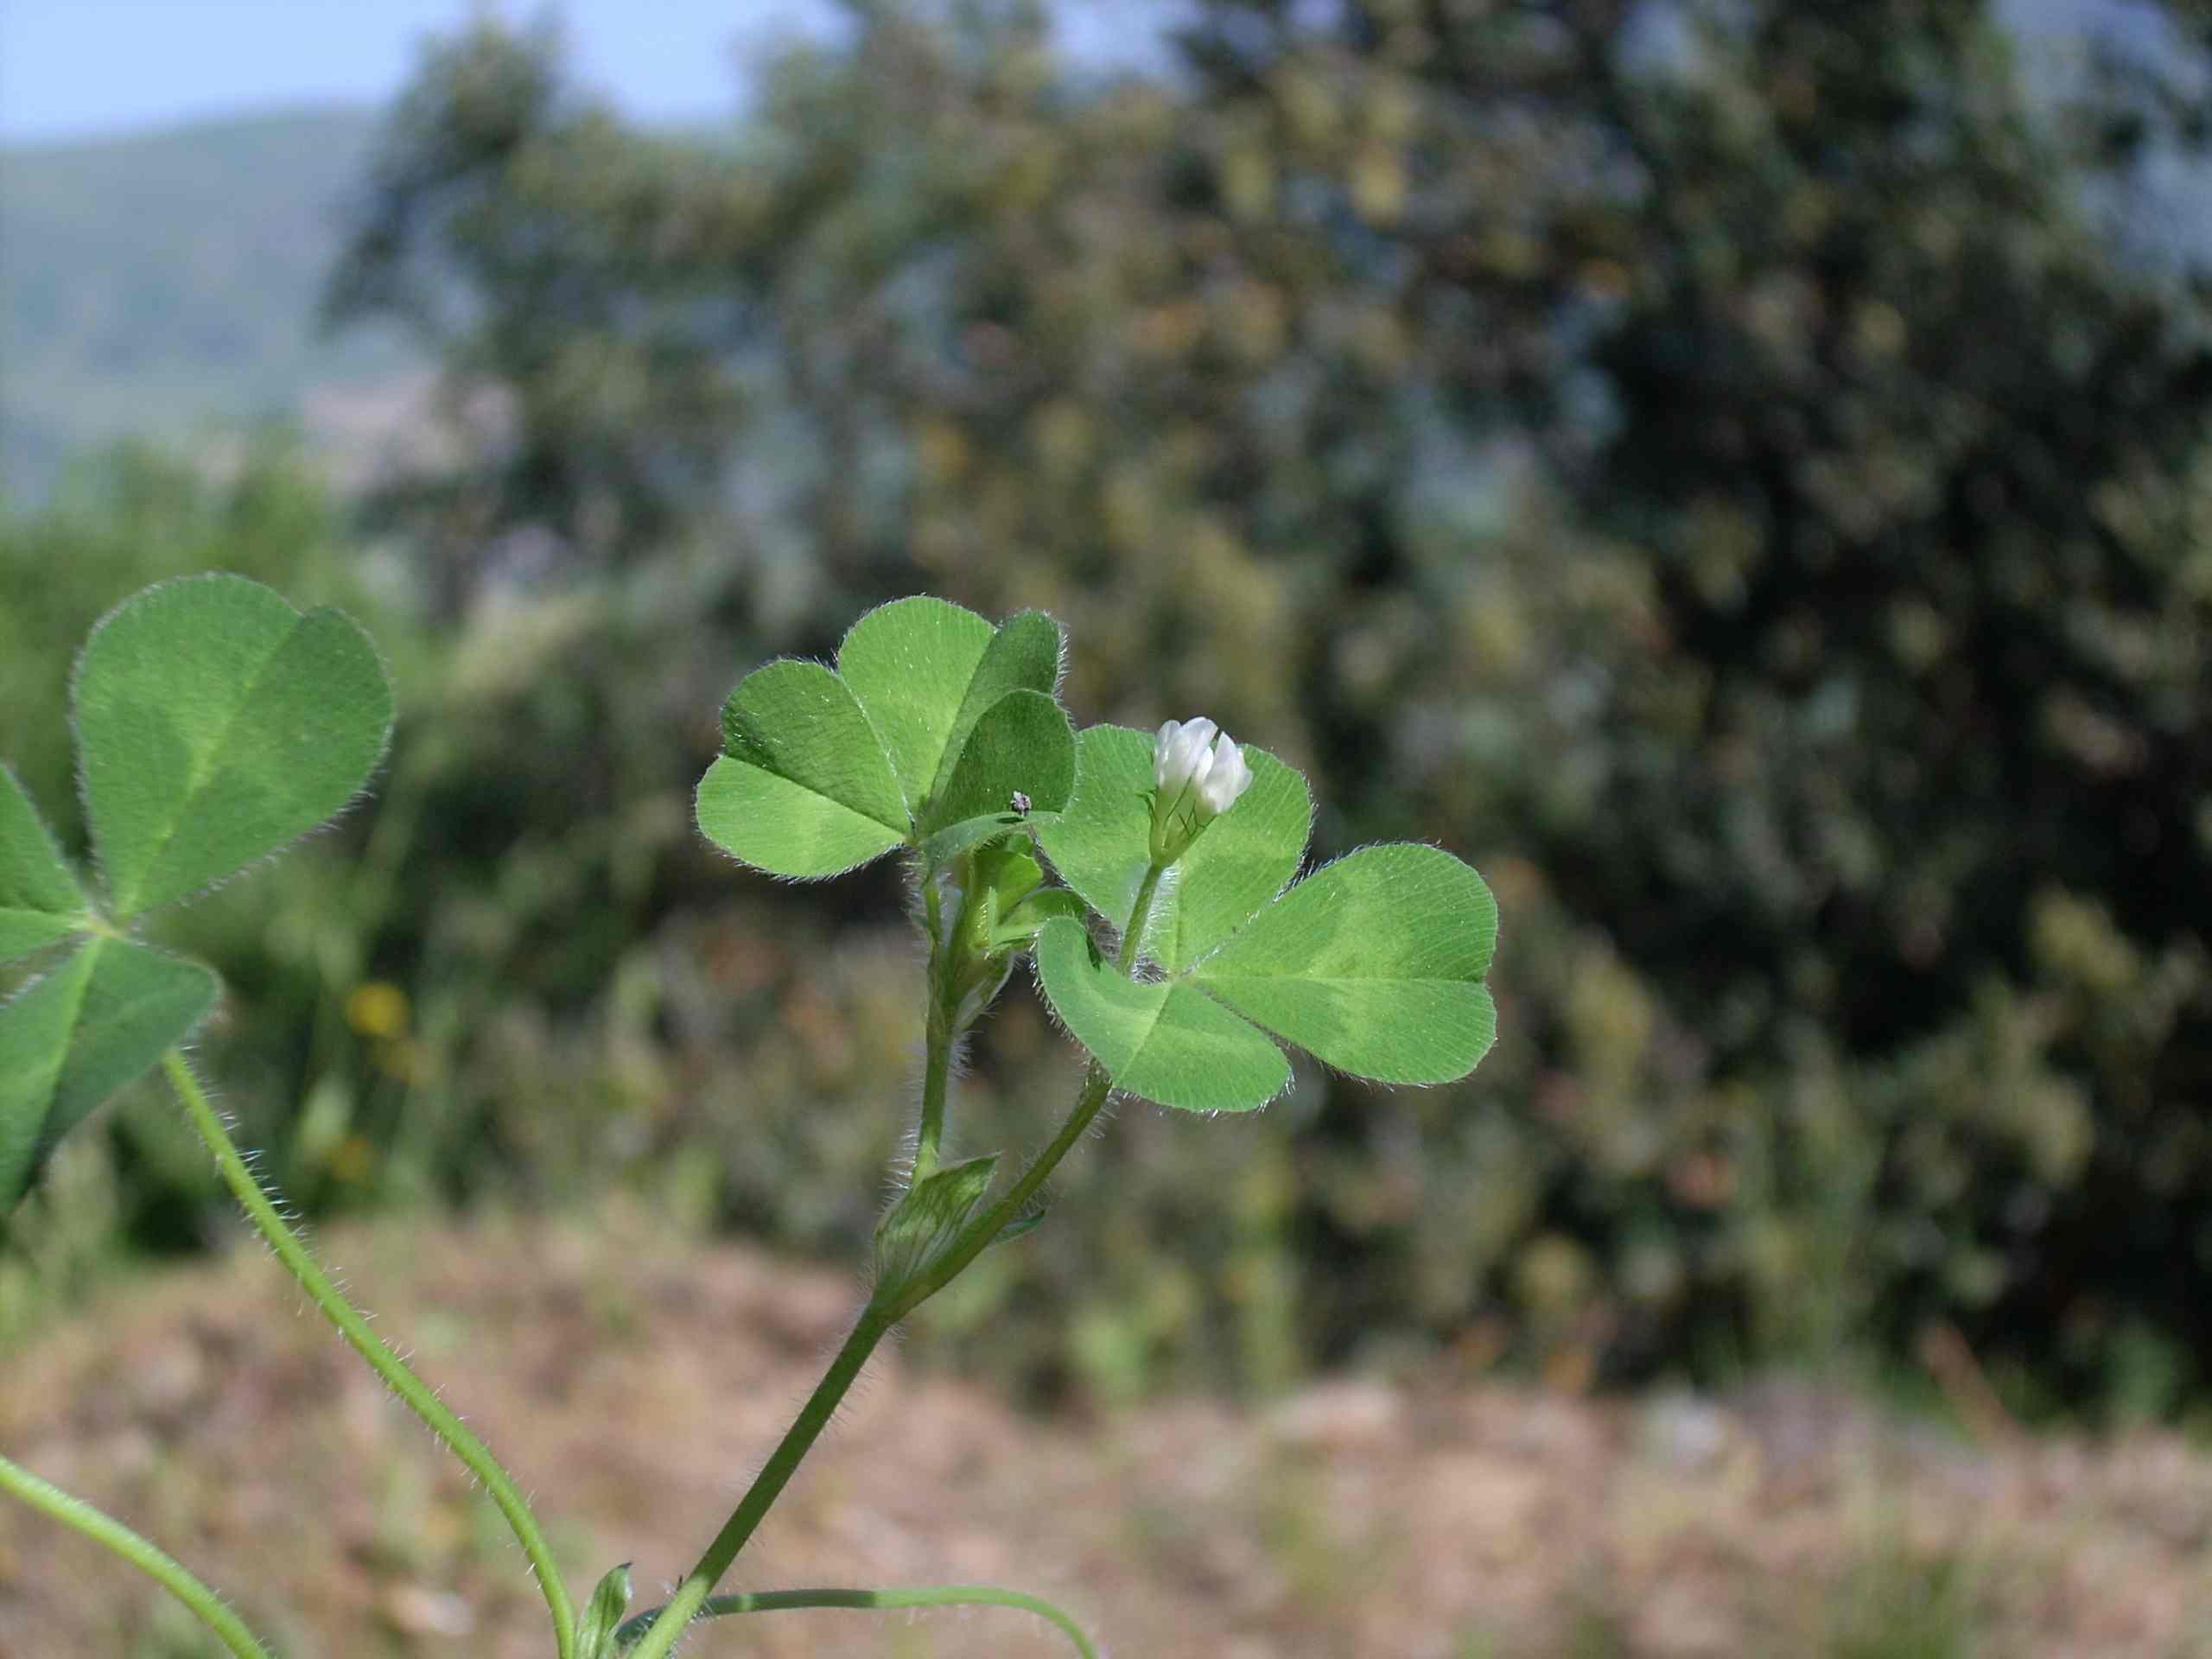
(1374, 964)
(215, 724)
(933, 732)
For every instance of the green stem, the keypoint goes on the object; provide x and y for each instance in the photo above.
(1097, 1086)
(1140, 914)
(875, 1321)
(813, 1417)
(938, 1595)
(936, 1071)
(111, 1534)
(364, 1342)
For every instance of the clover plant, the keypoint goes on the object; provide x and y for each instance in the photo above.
(1152, 881)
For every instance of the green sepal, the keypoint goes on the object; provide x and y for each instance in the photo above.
(40, 903)
(95, 1023)
(596, 1637)
(925, 1222)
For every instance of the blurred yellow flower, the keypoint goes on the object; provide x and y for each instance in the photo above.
(377, 1008)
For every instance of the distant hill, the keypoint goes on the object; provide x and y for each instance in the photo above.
(164, 285)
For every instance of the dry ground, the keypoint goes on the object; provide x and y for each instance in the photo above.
(633, 1383)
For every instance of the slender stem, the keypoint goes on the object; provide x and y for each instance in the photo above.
(936, 1595)
(1140, 914)
(936, 1071)
(364, 1342)
(813, 1417)
(876, 1320)
(163, 1569)
(976, 1237)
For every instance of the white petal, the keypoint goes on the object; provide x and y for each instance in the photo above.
(1228, 778)
(1163, 747)
(1201, 769)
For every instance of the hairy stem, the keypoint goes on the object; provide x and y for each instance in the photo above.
(813, 1417)
(364, 1342)
(106, 1531)
(1140, 915)
(936, 1595)
(936, 1072)
(875, 1320)
(976, 1237)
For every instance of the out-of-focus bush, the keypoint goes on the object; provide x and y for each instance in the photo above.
(1739, 476)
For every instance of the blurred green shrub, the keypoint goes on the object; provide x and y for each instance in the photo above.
(1744, 483)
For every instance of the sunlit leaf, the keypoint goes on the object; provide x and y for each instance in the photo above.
(1373, 964)
(215, 724)
(1169, 1042)
(803, 787)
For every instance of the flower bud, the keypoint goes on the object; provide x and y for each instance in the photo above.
(1198, 774)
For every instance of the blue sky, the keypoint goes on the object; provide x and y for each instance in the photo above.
(77, 68)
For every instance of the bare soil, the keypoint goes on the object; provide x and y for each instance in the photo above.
(634, 1383)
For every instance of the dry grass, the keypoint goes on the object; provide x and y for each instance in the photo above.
(635, 1382)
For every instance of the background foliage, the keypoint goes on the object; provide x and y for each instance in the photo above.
(1738, 475)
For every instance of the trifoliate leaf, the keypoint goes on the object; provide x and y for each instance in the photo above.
(73, 1037)
(215, 724)
(1374, 964)
(1169, 1042)
(933, 728)
(40, 901)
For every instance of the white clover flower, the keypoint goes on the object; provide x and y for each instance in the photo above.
(1198, 773)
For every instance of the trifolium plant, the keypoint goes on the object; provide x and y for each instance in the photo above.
(1150, 881)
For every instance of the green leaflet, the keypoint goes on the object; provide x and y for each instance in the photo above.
(909, 665)
(931, 725)
(1023, 742)
(1169, 1042)
(1374, 964)
(40, 901)
(71, 1039)
(215, 724)
(802, 787)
